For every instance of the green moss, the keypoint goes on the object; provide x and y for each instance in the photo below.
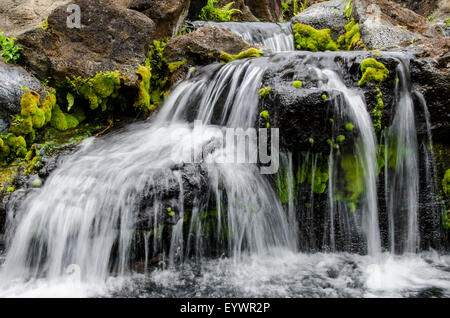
(265, 114)
(143, 103)
(250, 53)
(173, 67)
(324, 97)
(446, 183)
(310, 39)
(285, 185)
(373, 72)
(297, 84)
(378, 111)
(351, 38)
(340, 138)
(159, 82)
(353, 181)
(349, 127)
(264, 92)
(311, 141)
(63, 121)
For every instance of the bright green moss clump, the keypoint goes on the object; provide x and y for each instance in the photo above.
(354, 181)
(143, 103)
(446, 183)
(310, 39)
(250, 53)
(264, 92)
(297, 84)
(63, 121)
(378, 111)
(212, 13)
(351, 38)
(373, 71)
(349, 127)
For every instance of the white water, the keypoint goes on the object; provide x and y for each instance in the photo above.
(403, 183)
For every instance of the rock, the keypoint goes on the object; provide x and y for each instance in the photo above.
(110, 38)
(205, 45)
(384, 24)
(324, 15)
(12, 79)
(18, 16)
(168, 15)
(266, 10)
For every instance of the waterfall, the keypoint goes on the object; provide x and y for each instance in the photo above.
(277, 37)
(402, 180)
(365, 156)
(86, 214)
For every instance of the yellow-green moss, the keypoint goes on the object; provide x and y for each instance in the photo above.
(446, 183)
(353, 179)
(349, 127)
(373, 71)
(378, 111)
(63, 121)
(143, 103)
(173, 67)
(310, 39)
(264, 92)
(351, 38)
(250, 53)
(297, 84)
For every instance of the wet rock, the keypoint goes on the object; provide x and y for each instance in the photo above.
(205, 45)
(12, 80)
(110, 38)
(324, 15)
(265, 10)
(168, 15)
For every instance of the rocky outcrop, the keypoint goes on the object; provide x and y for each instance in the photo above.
(205, 45)
(168, 15)
(265, 10)
(385, 24)
(13, 79)
(110, 38)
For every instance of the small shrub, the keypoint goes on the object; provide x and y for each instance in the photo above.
(10, 51)
(212, 13)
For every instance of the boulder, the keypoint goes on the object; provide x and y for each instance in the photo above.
(12, 80)
(385, 24)
(110, 38)
(324, 15)
(205, 45)
(266, 10)
(18, 16)
(168, 15)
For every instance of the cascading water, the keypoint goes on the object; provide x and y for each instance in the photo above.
(277, 37)
(402, 185)
(229, 226)
(86, 213)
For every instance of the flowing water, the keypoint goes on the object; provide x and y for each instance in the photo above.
(231, 234)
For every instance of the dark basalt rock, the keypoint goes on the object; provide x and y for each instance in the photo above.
(12, 80)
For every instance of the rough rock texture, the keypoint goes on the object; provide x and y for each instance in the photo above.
(205, 45)
(168, 15)
(324, 15)
(17, 16)
(439, 9)
(302, 113)
(110, 38)
(266, 10)
(385, 24)
(12, 80)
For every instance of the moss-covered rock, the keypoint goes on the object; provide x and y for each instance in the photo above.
(313, 40)
(373, 72)
(250, 53)
(352, 37)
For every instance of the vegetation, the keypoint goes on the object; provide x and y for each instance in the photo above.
(446, 183)
(291, 8)
(264, 92)
(313, 40)
(297, 84)
(373, 71)
(352, 37)
(250, 53)
(211, 12)
(378, 111)
(9, 51)
(348, 10)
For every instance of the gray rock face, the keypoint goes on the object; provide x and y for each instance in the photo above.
(12, 80)
(325, 15)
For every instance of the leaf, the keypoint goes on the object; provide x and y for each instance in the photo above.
(70, 101)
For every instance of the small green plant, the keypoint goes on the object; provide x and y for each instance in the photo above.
(10, 51)
(44, 25)
(348, 10)
(324, 97)
(212, 13)
(431, 18)
(291, 8)
(170, 212)
(349, 127)
(447, 23)
(264, 92)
